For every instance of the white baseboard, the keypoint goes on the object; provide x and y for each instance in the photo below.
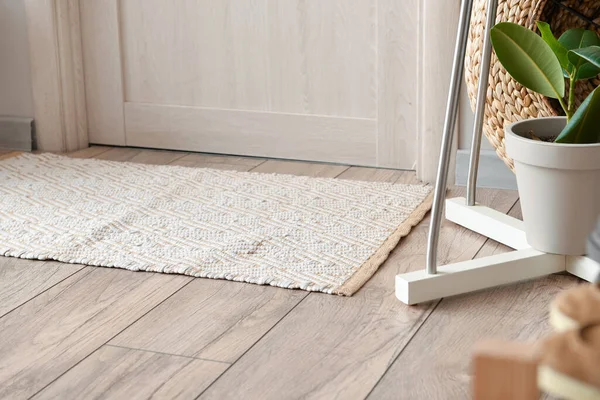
(16, 133)
(493, 173)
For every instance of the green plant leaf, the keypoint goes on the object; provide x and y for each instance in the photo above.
(590, 57)
(587, 71)
(578, 38)
(557, 47)
(574, 39)
(584, 126)
(590, 54)
(528, 59)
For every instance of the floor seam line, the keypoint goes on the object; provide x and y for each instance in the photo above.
(175, 159)
(111, 338)
(166, 354)
(404, 347)
(254, 344)
(106, 149)
(44, 291)
(89, 147)
(487, 239)
(345, 169)
(256, 166)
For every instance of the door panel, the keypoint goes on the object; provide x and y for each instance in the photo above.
(295, 136)
(304, 79)
(304, 57)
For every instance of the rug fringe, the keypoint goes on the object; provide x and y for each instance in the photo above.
(368, 269)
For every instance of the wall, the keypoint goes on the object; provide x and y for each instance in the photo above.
(493, 172)
(15, 82)
(465, 124)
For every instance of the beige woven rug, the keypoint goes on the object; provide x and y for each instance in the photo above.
(316, 234)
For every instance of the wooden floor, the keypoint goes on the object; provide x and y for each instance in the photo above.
(76, 332)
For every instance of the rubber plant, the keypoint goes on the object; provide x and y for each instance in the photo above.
(544, 64)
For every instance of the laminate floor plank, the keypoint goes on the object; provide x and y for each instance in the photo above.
(118, 154)
(120, 373)
(89, 152)
(211, 319)
(335, 347)
(21, 280)
(157, 157)
(45, 337)
(219, 162)
(303, 168)
(436, 363)
(378, 175)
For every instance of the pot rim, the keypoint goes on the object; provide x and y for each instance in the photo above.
(509, 130)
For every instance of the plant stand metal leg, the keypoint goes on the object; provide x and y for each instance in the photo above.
(448, 136)
(484, 77)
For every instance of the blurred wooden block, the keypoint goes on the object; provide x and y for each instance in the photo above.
(505, 370)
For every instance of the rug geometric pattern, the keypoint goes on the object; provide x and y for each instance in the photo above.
(316, 234)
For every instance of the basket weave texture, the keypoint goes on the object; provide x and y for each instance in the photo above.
(507, 101)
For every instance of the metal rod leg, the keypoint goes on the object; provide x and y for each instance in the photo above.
(484, 75)
(449, 125)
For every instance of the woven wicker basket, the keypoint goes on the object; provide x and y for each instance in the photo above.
(508, 101)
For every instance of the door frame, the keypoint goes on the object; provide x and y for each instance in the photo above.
(57, 74)
(60, 116)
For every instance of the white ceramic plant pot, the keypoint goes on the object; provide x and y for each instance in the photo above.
(559, 186)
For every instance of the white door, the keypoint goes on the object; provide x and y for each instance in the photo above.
(324, 80)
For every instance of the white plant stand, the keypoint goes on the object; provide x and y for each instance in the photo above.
(524, 263)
